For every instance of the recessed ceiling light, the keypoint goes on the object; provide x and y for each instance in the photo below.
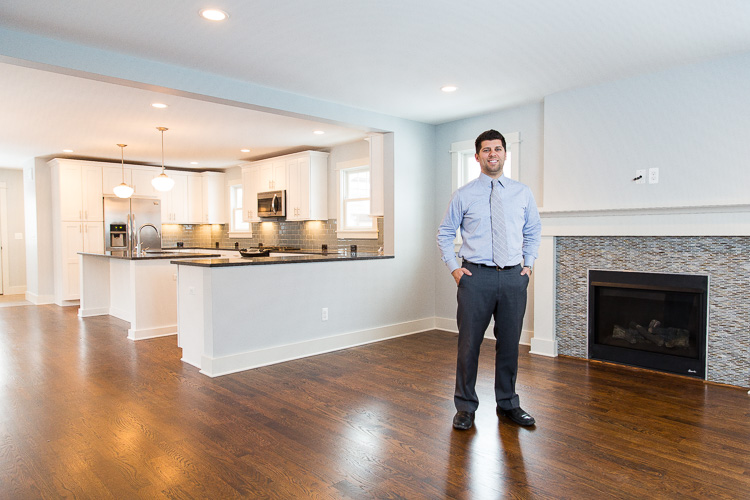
(318, 132)
(214, 14)
(193, 162)
(67, 150)
(159, 105)
(245, 150)
(449, 88)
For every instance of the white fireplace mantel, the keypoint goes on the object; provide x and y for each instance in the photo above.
(715, 220)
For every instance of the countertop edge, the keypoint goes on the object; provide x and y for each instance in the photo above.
(266, 261)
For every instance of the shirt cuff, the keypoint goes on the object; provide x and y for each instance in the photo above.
(452, 265)
(528, 261)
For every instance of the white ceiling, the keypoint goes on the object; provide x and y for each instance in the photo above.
(389, 56)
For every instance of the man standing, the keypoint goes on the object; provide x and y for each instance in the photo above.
(500, 228)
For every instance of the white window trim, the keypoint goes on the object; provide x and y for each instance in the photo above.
(512, 144)
(230, 211)
(348, 234)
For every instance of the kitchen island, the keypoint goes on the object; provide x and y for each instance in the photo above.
(234, 314)
(140, 289)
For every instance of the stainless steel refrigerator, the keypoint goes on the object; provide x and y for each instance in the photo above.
(125, 217)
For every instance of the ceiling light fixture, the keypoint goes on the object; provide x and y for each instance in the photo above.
(161, 182)
(449, 88)
(318, 132)
(159, 105)
(244, 150)
(67, 150)
(214, 14)
(123, 190)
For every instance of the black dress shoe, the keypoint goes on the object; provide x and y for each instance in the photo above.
(517, 415)
(463, 420)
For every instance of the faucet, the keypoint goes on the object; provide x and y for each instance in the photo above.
(138, 248)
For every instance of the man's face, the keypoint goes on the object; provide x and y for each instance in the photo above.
(491, 158)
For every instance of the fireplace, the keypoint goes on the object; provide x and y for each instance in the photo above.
(650, 320)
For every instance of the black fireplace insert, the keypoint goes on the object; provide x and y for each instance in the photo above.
(650, 320)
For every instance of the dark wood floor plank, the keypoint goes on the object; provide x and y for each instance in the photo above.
(86, 413)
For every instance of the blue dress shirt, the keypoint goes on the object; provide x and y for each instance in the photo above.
(469, 209)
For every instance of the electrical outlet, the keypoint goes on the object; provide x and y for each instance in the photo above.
(324, 314)
(653, 175)
(640, 176)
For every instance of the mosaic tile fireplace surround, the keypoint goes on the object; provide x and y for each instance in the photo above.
(724, 259)
(713, 241)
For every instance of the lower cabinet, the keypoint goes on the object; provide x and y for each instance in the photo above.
(74, 237)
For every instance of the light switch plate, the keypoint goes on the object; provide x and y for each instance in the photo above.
(642, 175)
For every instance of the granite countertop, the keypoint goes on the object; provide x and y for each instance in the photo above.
(153, 255)
(291, 259)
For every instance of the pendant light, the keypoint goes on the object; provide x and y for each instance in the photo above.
(123, 190)
(161, 182)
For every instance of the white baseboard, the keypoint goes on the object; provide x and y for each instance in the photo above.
(214, 367)
(39, 300)
(15, 290)
(92, 312)
(152, 333)
(544, 347)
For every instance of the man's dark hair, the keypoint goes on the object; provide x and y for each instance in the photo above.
(488, 135)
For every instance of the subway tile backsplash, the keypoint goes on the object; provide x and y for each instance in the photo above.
(307, 235)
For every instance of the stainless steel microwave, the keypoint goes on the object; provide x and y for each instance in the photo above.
(272, 204)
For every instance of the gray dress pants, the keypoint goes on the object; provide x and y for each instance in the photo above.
(489, 293)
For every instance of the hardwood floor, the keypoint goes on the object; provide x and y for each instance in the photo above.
(86, 413)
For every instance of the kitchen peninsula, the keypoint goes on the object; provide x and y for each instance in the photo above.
(141, 289)
(240, 313)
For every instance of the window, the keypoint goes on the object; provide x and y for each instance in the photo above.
(237, 227)
(354, 201)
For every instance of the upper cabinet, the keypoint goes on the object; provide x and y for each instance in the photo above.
(304, 176)
(272, 175)
(141, 181)
(250, 184)
(307, 186)
(214, 198)
(174, 203)
(139, 178)
(78, 190)
(377, 156)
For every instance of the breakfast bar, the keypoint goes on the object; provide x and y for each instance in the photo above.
(234, 314)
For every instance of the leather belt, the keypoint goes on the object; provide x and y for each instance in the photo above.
(498, 268)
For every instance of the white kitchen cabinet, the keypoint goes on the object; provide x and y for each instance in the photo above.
(77, 221)
(250, 184)
(74, 237)
(272, 175)
(78, 190)
(113, 176)
(139, 178)
(377, 158)
(174, 203)
(194, 199)
(214, 198)
(307, 186)
(141, 181)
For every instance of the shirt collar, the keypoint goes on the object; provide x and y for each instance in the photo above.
(486, 179)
